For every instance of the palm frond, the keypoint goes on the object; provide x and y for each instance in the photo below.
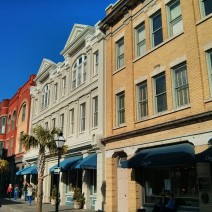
(28, 141)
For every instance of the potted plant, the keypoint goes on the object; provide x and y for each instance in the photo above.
(78, 198)
(53, 195)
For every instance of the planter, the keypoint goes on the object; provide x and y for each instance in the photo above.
(77, 205)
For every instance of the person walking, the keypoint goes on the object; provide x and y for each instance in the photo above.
(29, 193)
(9, 191)
(25, 190)
(16, 192)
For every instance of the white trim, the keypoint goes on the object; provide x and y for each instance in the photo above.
(118, 37)
(154, 9)
(207, 47)
(136, 23)
(119, 90)
(140, 79)
(178, 61)
(158, 70)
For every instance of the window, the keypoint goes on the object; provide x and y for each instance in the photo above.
(55, 91)
(156, 29)
(62, 122)
(64, 86)
(46, 125)
(95, 62)
(142, 100)
(160, 93)
(53, 123)
(140, 41)
(181, 85)
(1, 147)
(13, 120)
(82, 117)
(206, 7)
(23, 112)
(72, 121)
(2, 124)
(209, 65)
(8, 123)
(120, 108)
(175, 18)
(120, 53)
(95, 111)
(20, 144)
(45, 96)
(11, 147)
(74, 179)
(79, 71)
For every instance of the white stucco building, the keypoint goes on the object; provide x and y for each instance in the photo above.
(70, 95)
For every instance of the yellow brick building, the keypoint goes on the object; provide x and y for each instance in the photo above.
(158, 104)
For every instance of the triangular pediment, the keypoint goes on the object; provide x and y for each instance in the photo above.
(46, 63)
(77, 29)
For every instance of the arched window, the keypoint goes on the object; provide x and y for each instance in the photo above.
(79, 71)
(13, 120)
(45, 96)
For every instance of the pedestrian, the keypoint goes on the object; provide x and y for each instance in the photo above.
(16, 192)
(171, 205)
(29, 193)
(25, 190)
(9, 190)
(160, 206)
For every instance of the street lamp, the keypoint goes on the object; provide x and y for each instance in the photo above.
(60, 140)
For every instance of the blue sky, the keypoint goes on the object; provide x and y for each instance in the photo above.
(31, 30)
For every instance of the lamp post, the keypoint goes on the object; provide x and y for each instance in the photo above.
(60, 140)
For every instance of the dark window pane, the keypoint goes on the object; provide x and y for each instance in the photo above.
(208, 7)
(161, 103)
(157, 22)
(158, 37)
(160, 85)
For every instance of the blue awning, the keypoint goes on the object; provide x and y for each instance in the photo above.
(19, 172)
(67, 164)
(31, 170)
(88, 162)
(171, 155)
(205, 156)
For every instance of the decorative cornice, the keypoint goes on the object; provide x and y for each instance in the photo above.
(197, 118)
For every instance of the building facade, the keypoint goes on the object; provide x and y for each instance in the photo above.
(158, 103)
(70, 96)
(14, 120)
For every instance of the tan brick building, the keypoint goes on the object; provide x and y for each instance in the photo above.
(158, 103)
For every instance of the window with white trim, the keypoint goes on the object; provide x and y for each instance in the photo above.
(209, 65)
(95, 62)
(45, 96)
(23, 112)
(79, 71)
(140, 40)
(95, 111)
(3, 120)
(142, 100)
(72, 121)
(120, 53)
(82, 117)
(181, 89)
(120, 101)
(55, 91)
(175, 18)
(63, 86)
(160, 93)
(156, 29)
(206, 7)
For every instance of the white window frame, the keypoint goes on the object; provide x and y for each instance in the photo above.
(142, 100)
(140, 44)
(95, 111)
(154, 32)
(120, 108)
(176, 21)
(158, 95)
(209, 66)
(181, 87)
(72, 121)
(119, 54)
(46, 96)
(79, 71)
(95, 62)
(82, 117)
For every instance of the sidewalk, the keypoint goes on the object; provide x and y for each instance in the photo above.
(23, 206)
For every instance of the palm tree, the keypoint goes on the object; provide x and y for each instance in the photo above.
(43, 139)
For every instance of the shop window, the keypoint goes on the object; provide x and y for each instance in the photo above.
(181, 181)
(156, 29)
(206, 7)
(160, 93)
(120, 53)
(140, 41)
(175, 18)
(74, 179)
(120, 100)
(181, 85)
(142, 100)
